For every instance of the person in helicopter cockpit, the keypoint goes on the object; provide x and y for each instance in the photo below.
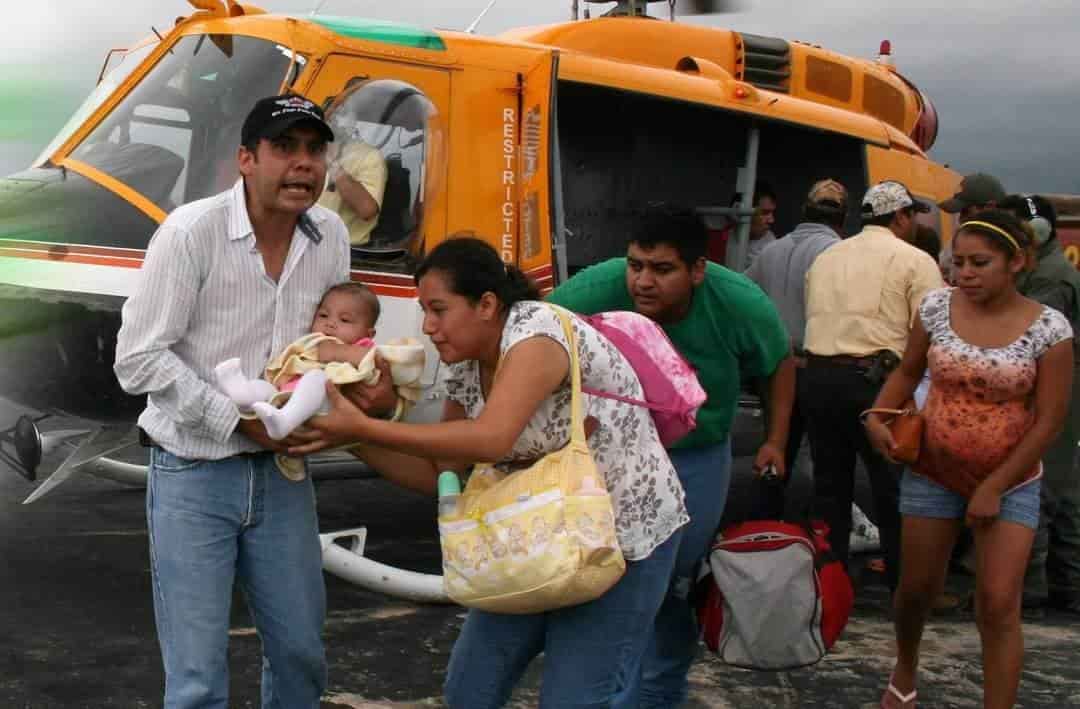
(355, 184)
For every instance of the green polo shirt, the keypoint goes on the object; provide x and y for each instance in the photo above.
(732, 331)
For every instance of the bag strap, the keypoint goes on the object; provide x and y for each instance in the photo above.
(887, 412)
(577, 417)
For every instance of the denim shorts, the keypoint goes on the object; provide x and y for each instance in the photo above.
(922, 497)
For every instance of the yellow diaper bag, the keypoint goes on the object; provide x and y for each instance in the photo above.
(539, 538)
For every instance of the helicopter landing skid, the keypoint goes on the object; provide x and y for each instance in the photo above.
(350, 564)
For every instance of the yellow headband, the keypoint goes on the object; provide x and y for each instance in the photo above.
(994, 228)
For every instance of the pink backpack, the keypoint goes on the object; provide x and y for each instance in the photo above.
(671, 387)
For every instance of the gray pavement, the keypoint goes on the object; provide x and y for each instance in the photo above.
(76, 620)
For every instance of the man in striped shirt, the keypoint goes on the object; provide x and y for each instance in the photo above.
(238, 273)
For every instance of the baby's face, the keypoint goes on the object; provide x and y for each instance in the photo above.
(344, 316)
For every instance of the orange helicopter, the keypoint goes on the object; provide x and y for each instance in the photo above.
(541, 140)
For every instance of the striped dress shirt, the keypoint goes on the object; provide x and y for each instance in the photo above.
(203, 297)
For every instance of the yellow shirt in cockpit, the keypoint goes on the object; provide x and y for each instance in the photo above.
(366, 165)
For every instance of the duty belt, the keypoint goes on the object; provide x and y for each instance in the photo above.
(843, 360)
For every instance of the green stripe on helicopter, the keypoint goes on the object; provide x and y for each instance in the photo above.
(34, 107)
(381, 31)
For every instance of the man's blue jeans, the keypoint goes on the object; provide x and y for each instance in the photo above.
(592, 652)
(215, 522)
(705, 474)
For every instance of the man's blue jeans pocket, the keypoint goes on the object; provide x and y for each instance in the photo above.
(165, 462)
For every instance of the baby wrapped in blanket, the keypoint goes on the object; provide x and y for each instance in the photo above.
(338, 349)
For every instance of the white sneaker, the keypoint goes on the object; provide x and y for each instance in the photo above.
(864, 533)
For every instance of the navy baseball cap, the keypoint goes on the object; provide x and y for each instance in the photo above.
(274, 115)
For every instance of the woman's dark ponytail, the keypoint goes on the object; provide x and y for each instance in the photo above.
(517, 287)
(472, 267)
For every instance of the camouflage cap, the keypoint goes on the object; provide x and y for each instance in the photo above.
(888, 197)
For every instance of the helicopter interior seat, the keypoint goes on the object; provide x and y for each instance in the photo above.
(397, 225)
(151, 169)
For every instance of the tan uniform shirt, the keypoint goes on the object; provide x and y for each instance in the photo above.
(863, 294)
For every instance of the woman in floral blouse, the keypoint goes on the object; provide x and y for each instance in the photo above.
(483, 316)
(1000, 370)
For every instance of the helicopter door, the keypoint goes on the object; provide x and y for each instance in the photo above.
(540, 201)
(388, 122)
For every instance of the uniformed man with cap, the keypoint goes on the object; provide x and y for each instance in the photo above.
(978, 191)
(1054, 570)
(862, 296)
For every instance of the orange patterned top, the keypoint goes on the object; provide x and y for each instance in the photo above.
(981, 401)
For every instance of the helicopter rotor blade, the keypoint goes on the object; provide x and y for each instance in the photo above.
(710, 7)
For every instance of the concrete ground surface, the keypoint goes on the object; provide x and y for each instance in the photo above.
(76, 619)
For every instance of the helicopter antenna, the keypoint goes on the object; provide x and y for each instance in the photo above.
(574, 10)
(624, 8)
(471, 29)
(318, 6)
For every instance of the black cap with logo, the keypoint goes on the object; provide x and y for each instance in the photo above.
(272, 116)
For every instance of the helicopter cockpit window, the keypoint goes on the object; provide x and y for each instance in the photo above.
(377, 169)
(108, 84)
(174, 137)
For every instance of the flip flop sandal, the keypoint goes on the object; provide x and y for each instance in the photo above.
(907, 701)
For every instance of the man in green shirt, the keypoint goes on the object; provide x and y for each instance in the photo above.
(728, 329)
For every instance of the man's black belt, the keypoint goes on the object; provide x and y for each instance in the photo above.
(843, 360)
(145, 440)
(874, 368)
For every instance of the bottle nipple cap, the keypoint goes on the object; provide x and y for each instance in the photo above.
(449, 484)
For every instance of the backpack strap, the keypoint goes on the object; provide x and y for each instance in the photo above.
(577, 412)
(630, 400)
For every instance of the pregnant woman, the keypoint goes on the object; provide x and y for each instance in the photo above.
(1000, 370)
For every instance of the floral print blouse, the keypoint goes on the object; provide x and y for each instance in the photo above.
(645, 489)
(982, 399)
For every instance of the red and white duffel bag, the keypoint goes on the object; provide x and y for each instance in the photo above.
(771, 596)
